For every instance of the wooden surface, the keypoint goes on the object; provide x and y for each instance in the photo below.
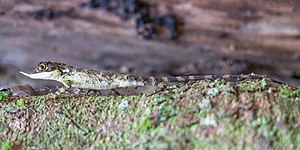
(219, 37)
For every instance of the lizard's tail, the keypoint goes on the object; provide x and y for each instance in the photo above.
(155, 80)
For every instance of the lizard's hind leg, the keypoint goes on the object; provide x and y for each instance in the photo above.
(115, 92)
(92, 92)
(160, 88)
(65, 89)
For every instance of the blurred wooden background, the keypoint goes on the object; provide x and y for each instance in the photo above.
(216, 37)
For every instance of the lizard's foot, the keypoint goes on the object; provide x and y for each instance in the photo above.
(61, 91)
(161, 88)
(80, 91)
(92, 92)
(115, 92)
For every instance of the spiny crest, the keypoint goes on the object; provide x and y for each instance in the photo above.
(49, 66)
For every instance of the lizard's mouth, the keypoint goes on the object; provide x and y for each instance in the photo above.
(53, 75)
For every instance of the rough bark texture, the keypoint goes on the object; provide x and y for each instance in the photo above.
(200, 115)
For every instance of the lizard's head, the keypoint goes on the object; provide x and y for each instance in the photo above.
(50, 66)
(48, 71)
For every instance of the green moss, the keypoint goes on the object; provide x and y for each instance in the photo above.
(254, 85)
(6, 145)
(219, 82)
(20, 102)
(145, 124)
(186, 116)
(289, 93)
(3, 96)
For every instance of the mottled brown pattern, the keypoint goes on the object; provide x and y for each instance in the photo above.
(84, 78)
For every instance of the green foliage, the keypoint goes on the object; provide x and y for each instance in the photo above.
(254, 85)
(262, 84)
(145, 124)
(6, 145)
(20, 102)
(3, 95)
(219, 82)
(288, 93)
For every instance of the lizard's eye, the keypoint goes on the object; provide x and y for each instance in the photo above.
(42, 67)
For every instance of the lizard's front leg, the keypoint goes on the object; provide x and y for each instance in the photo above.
(92, 92)
(67, 85)
(159, 88)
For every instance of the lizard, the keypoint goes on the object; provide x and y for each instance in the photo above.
(71, 76)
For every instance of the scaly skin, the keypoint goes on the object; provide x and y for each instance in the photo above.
(71, 76)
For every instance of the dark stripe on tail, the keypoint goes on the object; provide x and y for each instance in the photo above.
(153, 80)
